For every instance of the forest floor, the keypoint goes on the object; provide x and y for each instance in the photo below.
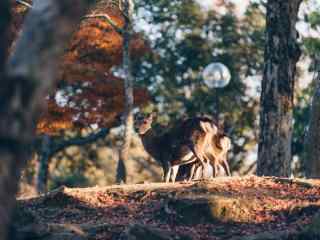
(223, 208)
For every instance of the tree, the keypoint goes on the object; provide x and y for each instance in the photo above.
(311, 156)
(128, 86)
(312, 147)
(86, 92)
(30, 72)
(281, 55)
(186, 38)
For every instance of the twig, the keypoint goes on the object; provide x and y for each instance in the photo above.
(24, 3)
(109, 20)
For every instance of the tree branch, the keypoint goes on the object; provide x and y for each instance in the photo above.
(108, 19)
(79, 140)
(49, 147)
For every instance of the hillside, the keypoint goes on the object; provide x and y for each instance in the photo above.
(224, 208)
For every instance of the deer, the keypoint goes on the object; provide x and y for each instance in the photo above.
(220, 144)
(183, 144)
(216, 151)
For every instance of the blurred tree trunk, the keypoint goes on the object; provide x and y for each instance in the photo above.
(5, 18)
(312, 144)
(45, 154)
(8, 157)
(128, 81)
(281, 55)
(30, 72)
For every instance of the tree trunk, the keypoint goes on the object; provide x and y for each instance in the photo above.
(128, 81)
(5, 18)
(43, 165)
(281, 55)
(31, 70)
(312, 145)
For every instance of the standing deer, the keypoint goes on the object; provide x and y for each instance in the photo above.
(220, 144)
(216, 151)
(183, 144)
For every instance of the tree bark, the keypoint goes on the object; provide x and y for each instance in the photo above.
(311, 159)
(31, 70)
(281, 55)
(128, 82)
(5, 18)
(43, 165)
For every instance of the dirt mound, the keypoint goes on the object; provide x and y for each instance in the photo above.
(224, 208)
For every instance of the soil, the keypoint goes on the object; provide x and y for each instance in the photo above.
(223, 208)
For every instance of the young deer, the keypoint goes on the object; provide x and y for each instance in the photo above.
(220, 145)
(216, 151)
(183, 144)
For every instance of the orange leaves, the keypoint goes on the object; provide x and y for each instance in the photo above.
(89, 94)
(97, 44)
(98, 100)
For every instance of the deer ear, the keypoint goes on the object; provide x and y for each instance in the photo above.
(205, 126)
(153, 115)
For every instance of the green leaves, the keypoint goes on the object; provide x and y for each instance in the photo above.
(314, 19)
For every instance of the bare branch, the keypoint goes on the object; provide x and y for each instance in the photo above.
(80, 140)
(108, 19)
(24, 3)
(49, 148)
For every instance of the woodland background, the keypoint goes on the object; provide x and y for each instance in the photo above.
(174, 41)
(82, 135)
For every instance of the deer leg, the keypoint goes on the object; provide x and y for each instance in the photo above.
(174, 173)
(215, 169)
(167, 172)
(226, 167)
(197, 153)
(208, 172)
(199, 172)
(193, 168)
(167, 177)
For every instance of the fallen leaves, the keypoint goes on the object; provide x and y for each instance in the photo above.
(271, 204)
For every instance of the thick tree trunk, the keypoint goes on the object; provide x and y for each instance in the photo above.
(5, 18)
(128, 81)
(312, 144)
(281, 56)
(31, 70)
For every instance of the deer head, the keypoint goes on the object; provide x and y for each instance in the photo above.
(143, 123)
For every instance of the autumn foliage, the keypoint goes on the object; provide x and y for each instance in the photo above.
(87, 92)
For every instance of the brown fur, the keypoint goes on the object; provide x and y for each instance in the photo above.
(184, 143)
